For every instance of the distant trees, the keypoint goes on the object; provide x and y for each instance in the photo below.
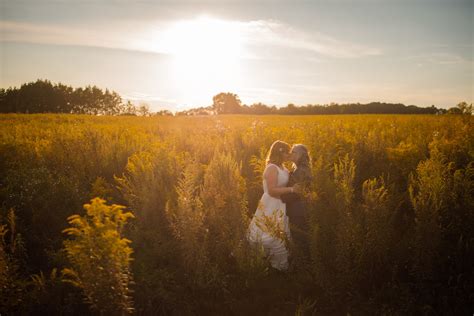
(260, 108)
(143, 109)
(42, 96)
(209, 110)
(229, 103)
(226, 103)
(356, 108)
(461, 108)
(222, 107)
(163, 113)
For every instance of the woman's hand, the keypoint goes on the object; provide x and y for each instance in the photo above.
(298, 188)
(271, 176)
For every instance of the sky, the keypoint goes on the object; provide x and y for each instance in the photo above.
(177, 54)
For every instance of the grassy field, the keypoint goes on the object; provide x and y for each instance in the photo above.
(392, 211)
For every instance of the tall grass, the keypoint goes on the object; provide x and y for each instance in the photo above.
(391, 212)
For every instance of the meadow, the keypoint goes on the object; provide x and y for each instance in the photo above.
(391, 223)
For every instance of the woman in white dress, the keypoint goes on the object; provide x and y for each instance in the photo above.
(269, 226)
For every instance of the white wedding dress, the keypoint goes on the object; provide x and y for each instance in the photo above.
(270, 226)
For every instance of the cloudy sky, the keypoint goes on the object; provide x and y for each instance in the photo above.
(178, 54)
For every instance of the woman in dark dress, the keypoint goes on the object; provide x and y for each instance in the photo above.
(296, 207)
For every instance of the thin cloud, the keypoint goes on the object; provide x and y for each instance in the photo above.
(112, 37)
(139, 96)
(255, 36)
(439, 59)
(280, 34)
(445, 58)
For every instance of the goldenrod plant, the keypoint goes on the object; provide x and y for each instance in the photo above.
(100, 257)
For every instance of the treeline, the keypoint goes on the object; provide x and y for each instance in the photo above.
(316, 109)
(229, 103)
(43, 96)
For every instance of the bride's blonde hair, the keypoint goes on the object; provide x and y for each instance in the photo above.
(276, 152)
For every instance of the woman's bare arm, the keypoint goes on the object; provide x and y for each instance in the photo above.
(271, 176)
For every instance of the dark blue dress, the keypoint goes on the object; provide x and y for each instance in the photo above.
(296, 207)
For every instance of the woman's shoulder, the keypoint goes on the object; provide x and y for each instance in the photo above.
(272, 166)
(302, 173)
(270, 169)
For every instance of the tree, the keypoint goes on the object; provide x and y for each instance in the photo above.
(290, 109)
(259, 108)
(226, 103)
(127, 109)
(143, 109)
(42, 96)
(163, 113)
(454, 110)
(465, 108)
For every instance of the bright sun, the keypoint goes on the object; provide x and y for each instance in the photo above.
(206, 54)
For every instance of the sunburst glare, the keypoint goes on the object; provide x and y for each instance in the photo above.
(206, 55)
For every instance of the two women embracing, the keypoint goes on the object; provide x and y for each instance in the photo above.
(282, 212)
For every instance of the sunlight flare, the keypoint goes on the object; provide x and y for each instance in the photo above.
(206, 56)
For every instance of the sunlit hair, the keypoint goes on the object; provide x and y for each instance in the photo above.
(277, 152)
(305, 159)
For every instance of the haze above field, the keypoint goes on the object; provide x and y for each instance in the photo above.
(179, 54)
